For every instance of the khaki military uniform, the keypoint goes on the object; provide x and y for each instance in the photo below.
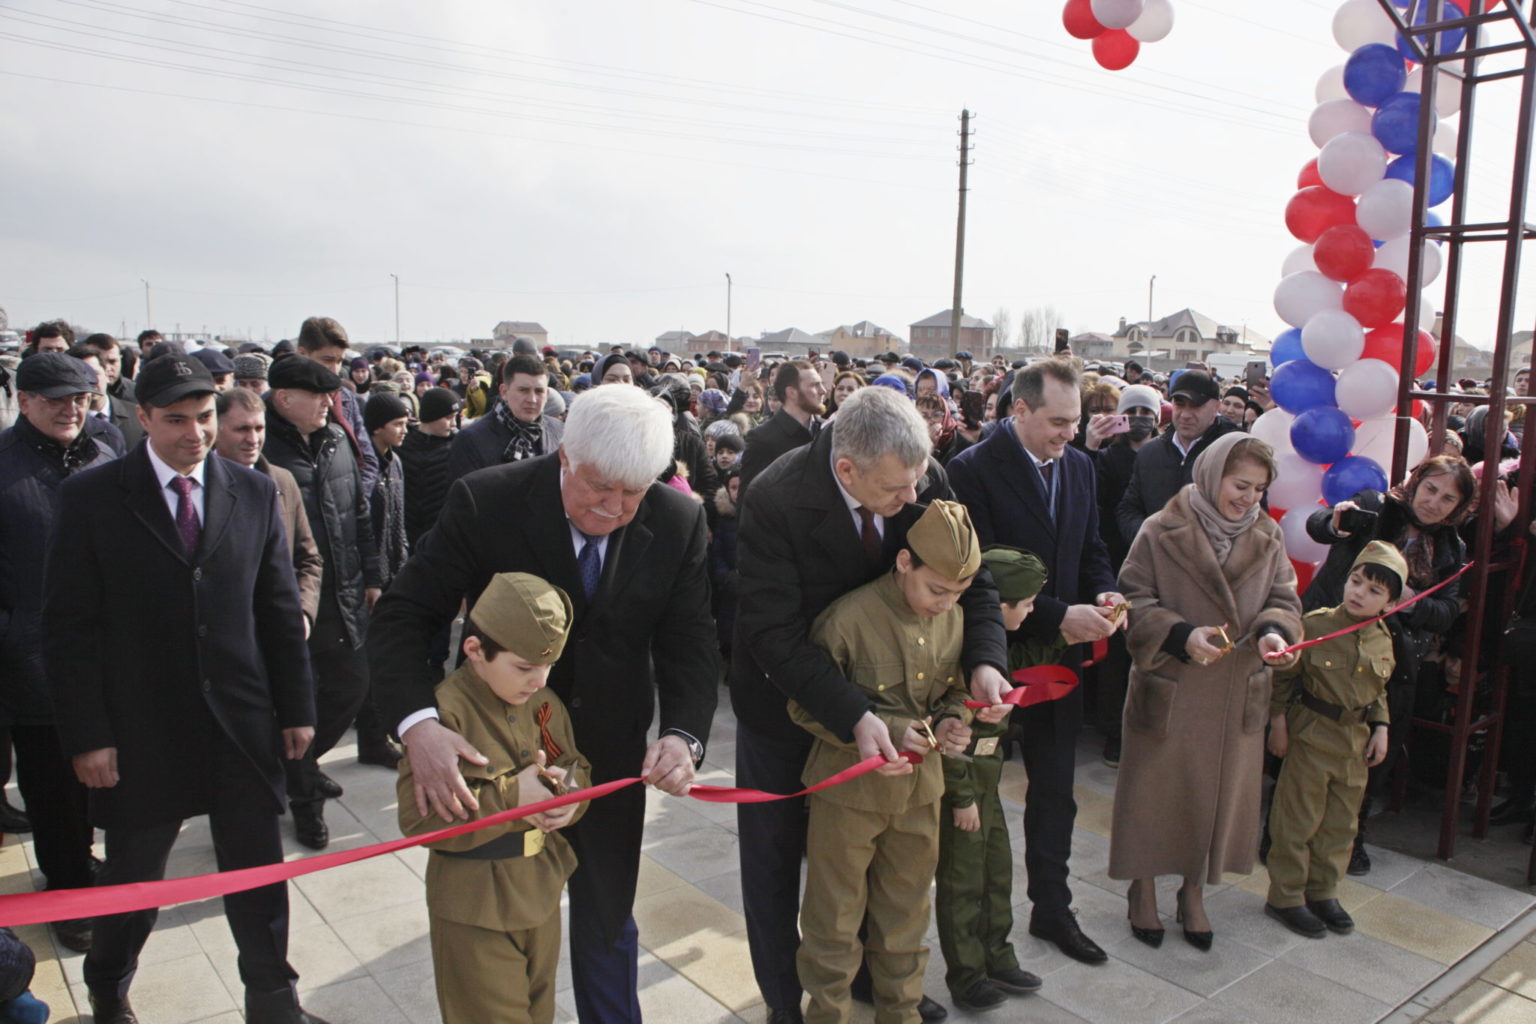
(493, 896)
(1316, 807)
(872, 843)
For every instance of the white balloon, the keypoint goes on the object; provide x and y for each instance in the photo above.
(1333, 339)
(1393, 256)
(1447, 91)
(1300, 259)
(1374, 439)
(1418, 445)
(1116, 13)
(1330, 86)
(1385, 209)
(1298, 544)
(1352, 162)
(1335, 117)
(1446, 139)
(1358, 22)
(1427, 312)
(1298, 483)
(1300, 297)
(1366, 390)
(1155, 23)
(1274, 429)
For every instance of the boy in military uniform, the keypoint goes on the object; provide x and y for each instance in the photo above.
(873, 843)
(974, 903)
(1328, 719)
(493, 896)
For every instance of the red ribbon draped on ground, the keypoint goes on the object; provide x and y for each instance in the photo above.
(1035, 685)
(63, 904)
(1303, 645)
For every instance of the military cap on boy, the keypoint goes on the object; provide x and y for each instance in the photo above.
(1019, 574)
(1379, 552)
(945, 540)
(525, 615)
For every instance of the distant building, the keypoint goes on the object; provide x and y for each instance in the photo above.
(930, 336)
(509, 331)
(674, 341)
(863, 340)
(1183, 337)
(791, 341)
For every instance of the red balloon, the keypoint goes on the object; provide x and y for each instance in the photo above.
(1418, 409)
(1424, 355)
(1078, 17)
(1309, 176)
(1304, 573)
(1114, 49)
(1386, 344)
(1276, 514)
(1375, 298)
(1314, 210)
(1343, 252)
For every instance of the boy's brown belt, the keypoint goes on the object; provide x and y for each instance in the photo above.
(1342, 715)
(505, 846)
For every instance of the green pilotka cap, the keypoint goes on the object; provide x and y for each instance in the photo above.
(1019, 574)
(1379, 552)
(945, 540)
(526, 615)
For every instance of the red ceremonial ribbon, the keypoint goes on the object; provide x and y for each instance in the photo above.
(1035, 685)
(66, 904)
(1303, 645)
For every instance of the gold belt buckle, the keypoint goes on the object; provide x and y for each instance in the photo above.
(533, 842)
(986, 747)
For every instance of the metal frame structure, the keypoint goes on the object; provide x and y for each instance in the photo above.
(1479, 62)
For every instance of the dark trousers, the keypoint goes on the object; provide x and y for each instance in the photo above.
(772, 844)
(245, 834)
(604, 978)
(1110, 677)
(56, 803)
(341, 684)
(1049, 744)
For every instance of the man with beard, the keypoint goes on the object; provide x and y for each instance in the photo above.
(802, 398)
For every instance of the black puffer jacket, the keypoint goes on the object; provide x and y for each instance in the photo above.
(328, 476)
(425, 458)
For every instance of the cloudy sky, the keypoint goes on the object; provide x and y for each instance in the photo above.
(600, 166)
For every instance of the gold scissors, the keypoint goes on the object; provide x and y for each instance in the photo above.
(551, 782)
(933, 742)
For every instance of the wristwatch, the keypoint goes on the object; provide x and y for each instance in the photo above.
(695, 748)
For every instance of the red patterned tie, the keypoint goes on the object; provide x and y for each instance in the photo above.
(868, 534)
(187, 523)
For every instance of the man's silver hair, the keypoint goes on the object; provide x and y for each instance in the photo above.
(875, 422)
(621, 432)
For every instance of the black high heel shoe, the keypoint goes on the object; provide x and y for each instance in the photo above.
(1200, 940)
(1151, 936)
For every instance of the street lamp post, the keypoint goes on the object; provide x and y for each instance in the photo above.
(397, 309)
(1150, 285)
(728, 312)
(149, 316)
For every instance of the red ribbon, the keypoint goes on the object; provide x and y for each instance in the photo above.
(65, 904)
(1035, 685)
(1303, 645)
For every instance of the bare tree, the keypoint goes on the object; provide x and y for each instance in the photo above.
(1002, 327)
(1037, 328)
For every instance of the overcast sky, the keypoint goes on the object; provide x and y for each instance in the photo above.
(600, 166)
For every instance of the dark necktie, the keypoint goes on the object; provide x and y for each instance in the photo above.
(187, 523)
(868, 534)
(590, 562)
(1048, 471)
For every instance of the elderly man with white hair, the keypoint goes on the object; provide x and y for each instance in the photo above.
(630, 552)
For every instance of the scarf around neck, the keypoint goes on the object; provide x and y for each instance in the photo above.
(527, 438)
(1210, 467)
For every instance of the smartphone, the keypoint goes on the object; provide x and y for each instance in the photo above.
(1118, 425)
(973, 405)
(1357, 520)
(1253, 373)
(754, 357)
(1063, 345)
(828, 373)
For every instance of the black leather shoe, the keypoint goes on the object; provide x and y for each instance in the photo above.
(1333, 916)
(1299, 920)
(1014, 980)
(13, 821)
(329, 787)
(1359, 860)
(73, 934)
(792, 1016)
(379, 752)
(1112, 751)
(981, 997)
(279, 1007)
(309, 825)
(931, 1010)
(112, 1010)
(1068, 937)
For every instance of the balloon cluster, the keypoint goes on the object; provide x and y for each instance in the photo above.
(1343, 292)
(1118, 27)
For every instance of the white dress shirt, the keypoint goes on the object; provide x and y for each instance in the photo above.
(165, 474)
(853, 508)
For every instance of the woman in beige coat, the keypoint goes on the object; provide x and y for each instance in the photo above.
(1187, 801)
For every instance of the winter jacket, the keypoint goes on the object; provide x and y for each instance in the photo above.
(425, 460)
(1161, 472)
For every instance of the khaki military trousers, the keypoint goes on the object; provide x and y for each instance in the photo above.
(863, 865)
(974, 896)
(1316, 809)
(486, 976)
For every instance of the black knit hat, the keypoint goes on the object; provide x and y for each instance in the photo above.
(437, 403)
(383, 408)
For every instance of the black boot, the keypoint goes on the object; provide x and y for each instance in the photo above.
(279, 1007)
(309, 823)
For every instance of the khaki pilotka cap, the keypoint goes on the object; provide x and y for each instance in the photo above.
(945, 540)
(526, 615)
(1379, 552)
(1019, 574)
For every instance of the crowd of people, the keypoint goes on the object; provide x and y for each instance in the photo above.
(871, 554)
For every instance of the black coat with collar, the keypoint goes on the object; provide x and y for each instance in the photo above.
(1002, 490)
(767, 441)
(484, 441)
(212, 651)
(645, 638)
(1159, 472)
(798, 551)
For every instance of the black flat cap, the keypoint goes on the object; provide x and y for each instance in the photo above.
(55, 375)
(300, 374)
(216, 361)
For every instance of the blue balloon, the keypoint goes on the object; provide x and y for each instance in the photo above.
(1396, 123)
(1374, 73)
(1449, 41)
(1300, 385)
(1323, 435)
(1442, 175)
(1286, 347)
(1349, 476)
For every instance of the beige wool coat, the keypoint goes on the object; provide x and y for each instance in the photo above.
(1187, 798)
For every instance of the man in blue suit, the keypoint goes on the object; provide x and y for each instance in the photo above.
(1025, 486)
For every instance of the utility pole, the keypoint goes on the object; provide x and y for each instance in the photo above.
(1150, 284)
(955, 311)
(728, 312)
(149, 317)
(397, 309)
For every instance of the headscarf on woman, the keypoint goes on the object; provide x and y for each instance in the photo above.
(602, 366)
(1210, 467)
